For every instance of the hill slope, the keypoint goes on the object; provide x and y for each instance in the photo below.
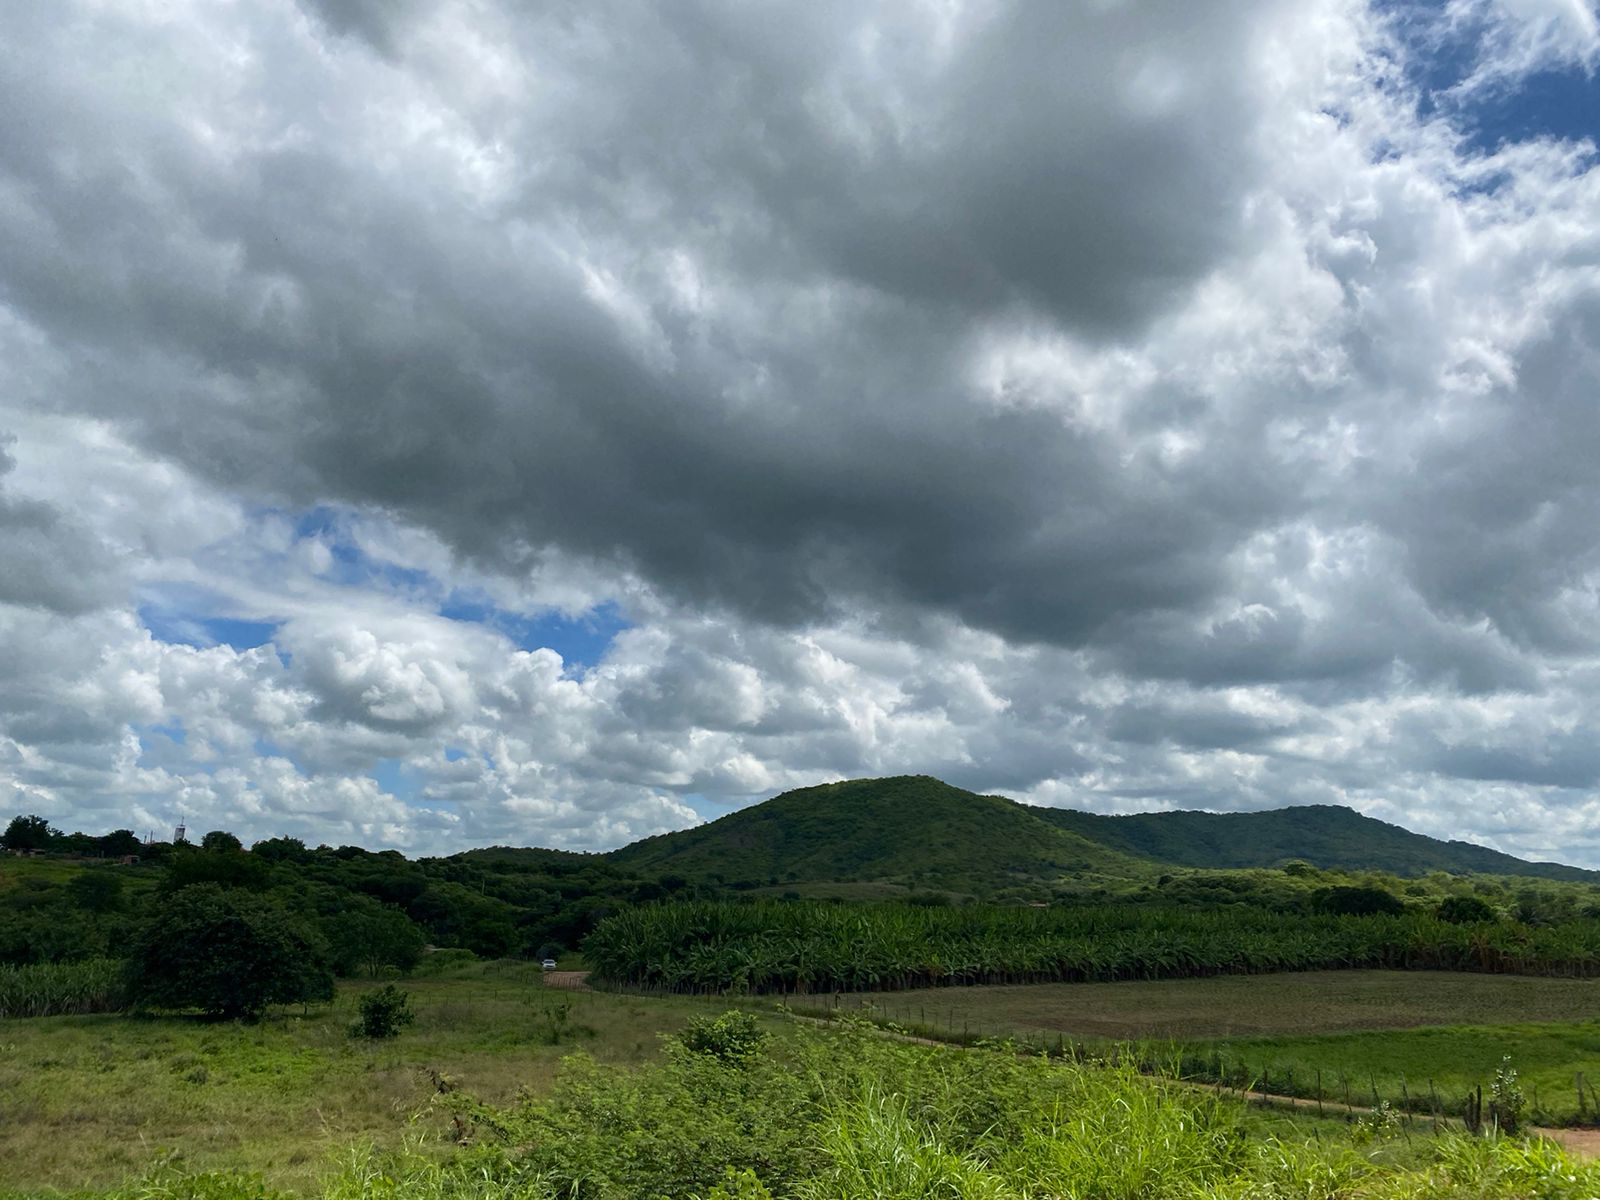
(1322, 834)
(911, 829)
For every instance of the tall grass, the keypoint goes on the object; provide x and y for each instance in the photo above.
(717, 945)
(54, 989)
(842, 1115)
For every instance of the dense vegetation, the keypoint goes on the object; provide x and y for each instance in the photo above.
(811, 946)
(76, 897)
(844, 1116)
(913, 830)
(366, 913)
(1324, 835)
(53, 989)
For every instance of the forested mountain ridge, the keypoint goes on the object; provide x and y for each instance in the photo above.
(1324, 835)
(908, 829)
(917, 829)
(908, 838)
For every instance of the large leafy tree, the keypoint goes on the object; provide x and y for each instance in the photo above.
(28, 833)
(119, 842)
(368, 936)
(226, 952)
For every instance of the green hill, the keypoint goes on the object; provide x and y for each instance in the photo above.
(912, 830)
(1323, 835)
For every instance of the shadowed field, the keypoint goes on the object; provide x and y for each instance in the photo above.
(1228, 1006)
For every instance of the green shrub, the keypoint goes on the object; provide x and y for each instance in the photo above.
(385, 1012)
(227, 953)
(1464, 910)
(1358, 902)
(734, 1037)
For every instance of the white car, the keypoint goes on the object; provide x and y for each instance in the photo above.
(549, 964)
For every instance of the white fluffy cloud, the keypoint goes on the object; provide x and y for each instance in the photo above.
(444, 423)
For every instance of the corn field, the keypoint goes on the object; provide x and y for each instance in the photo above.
(707, 946)
(53, 989)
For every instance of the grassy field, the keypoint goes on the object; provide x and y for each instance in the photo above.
(1394, 1035)
(1230, 1006)
(96, 1102)
(85, 1101)
(1445, 1063)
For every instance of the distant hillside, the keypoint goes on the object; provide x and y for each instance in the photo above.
(1321, 834)
(913, 829)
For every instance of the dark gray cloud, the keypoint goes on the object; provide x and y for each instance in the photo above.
(1124, 404)
(51, 561)
(308, 324)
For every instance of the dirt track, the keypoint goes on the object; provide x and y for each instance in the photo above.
(571, 981)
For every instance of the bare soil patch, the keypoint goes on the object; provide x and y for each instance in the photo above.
(571, 981)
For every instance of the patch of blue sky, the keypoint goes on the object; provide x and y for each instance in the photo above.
(707, 810)
(352, 566)
(582, 640)
(173, 731)
(190, 616)
(394, 777)
(267, 748)
(410, 786)
(1561, 103)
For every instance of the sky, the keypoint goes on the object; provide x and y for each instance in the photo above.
(440, 423)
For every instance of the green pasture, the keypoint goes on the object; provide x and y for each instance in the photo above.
(838, 1113)
(1428, 1067)
(1413, 1038)
(89, 1100)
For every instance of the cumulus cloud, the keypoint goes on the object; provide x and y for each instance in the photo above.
(1111, 404)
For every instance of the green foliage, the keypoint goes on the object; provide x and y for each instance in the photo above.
(186, 867)
(385, 1012)
(281, 849)
(220, 841)
(443, 962)
(43, 921)
(734, 1037)
(371, 937)
(1465, 910)
(119, 842)
(1321, 834)
(54, 989)
(844, 1116)
(553, 1021)
(226, 953)
(28, 833)
(1358, 901)
(171, 1183)
(96, 891)
(808, 946)
(913, 829)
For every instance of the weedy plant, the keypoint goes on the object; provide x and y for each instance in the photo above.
(1506, 1100)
